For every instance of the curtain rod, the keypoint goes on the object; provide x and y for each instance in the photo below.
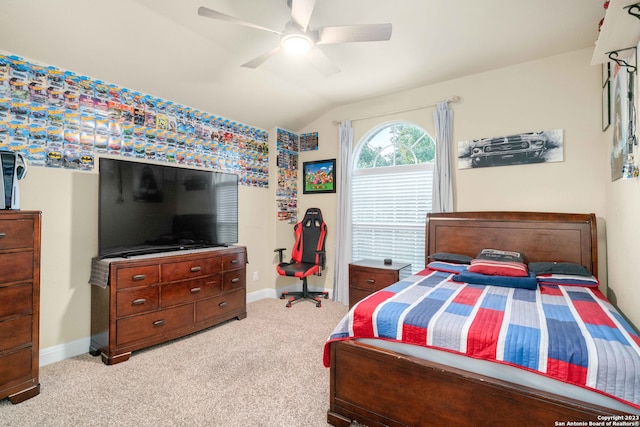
(452, 99)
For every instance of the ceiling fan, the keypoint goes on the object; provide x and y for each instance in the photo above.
(297, 38)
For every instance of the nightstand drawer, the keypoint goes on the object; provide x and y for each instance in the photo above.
(369, 276)
(372, 280)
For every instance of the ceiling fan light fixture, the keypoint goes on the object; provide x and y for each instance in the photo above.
(296, 44)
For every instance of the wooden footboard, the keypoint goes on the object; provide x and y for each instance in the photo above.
(376, 387)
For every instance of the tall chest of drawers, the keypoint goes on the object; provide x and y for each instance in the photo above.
(19, 304)
(150, 300)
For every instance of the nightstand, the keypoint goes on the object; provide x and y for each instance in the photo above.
(368, 276)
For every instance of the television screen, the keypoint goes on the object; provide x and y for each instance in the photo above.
(148, 208)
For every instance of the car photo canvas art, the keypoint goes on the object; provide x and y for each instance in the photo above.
(523, 148)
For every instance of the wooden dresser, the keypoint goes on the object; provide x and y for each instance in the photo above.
(19, 304)
(153, 299)
(368, 276)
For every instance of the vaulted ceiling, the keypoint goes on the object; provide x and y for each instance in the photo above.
(164, 48)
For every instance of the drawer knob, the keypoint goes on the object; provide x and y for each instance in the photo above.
(195, 269)
(222, 304)
(3, 235)
(371, 281)
(195, 290)
(139, 277)
(234, 261)
(235, 280)
(139, 301)
(159, 322)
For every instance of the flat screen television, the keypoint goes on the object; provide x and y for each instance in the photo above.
(148, 208)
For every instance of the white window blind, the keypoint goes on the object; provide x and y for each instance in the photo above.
(389, 207)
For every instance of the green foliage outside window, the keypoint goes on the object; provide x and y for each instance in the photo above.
(395, 145)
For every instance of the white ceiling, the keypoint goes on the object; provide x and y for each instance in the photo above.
(162, 47)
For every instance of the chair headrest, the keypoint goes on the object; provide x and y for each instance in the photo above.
(312, 217)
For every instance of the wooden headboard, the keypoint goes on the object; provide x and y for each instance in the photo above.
(539, 236)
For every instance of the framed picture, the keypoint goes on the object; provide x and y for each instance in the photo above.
(619, 120)
(606, 106)
(539, 147)
(319, 176)
(606, 73)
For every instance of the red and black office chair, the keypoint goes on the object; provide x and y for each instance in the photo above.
(308, 256)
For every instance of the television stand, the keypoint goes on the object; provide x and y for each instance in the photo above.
(151, 299)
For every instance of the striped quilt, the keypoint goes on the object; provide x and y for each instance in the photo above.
(572, 334)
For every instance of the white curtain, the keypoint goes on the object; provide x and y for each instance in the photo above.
(442, 185)
(343, 227)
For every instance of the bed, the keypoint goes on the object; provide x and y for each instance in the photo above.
(379, 382)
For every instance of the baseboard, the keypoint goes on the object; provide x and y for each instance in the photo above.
(58, 353)
(67, 350)
(261, 294)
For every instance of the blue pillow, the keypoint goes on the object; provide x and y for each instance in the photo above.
(528, 282)
(447, 267)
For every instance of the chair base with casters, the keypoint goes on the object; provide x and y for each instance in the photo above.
(304, 294)
(308, 257)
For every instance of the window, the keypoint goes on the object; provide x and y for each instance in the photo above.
(391, 193)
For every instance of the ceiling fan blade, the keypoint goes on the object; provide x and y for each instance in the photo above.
(256, 62)
(214, 14)
(322, 62)
(354, 33)
(301, 11)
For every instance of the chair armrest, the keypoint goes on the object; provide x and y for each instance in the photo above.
(280, 250)
(321, 255)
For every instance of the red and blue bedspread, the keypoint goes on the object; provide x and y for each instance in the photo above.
(572, 334)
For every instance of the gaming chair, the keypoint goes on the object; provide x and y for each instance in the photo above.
(308, 256)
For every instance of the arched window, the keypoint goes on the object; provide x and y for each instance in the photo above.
(391, 193)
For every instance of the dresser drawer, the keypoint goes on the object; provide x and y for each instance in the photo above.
(128, 277)
(16, 234)
(190, 269)
(372, 280)
(15, 333)
(219, 306)
(233, 261)
(137, 300)
(136, 328)
(16, 300)
(16, 366)
(232, 280)
(190, 290)
(16, 266)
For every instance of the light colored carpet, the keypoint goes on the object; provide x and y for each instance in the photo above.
(265, 370)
